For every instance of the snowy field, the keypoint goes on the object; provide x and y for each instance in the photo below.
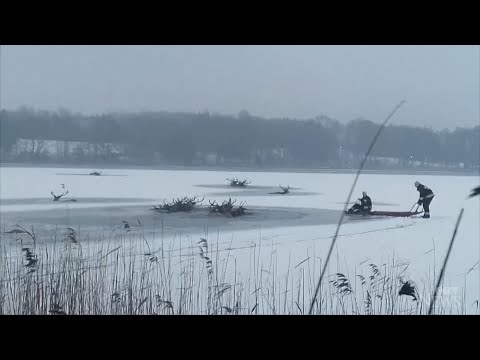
(297, 228)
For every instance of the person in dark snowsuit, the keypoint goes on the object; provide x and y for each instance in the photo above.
(364, 206)
(425, 198)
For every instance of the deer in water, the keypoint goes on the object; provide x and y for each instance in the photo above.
(58, 197)
(239, 183)
(227, 208)
(285, 190)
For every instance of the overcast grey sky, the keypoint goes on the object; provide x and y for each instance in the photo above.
(440, 83)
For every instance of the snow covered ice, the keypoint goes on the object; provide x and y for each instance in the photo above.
(27, 190)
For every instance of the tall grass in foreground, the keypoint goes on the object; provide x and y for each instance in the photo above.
(334, 239)
(126, 275)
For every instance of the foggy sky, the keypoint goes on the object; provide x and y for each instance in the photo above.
(440, 83)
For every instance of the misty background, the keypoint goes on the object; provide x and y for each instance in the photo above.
(308, 106)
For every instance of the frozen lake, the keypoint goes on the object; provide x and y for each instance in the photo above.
(296, 226)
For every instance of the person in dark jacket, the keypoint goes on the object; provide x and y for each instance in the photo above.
(363, 206)
(366, 202)
(425, 198)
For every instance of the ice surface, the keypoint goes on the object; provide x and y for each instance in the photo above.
(28, 190)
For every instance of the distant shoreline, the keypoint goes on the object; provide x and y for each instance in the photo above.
(244, 169)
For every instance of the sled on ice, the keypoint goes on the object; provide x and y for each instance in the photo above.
(385, 213)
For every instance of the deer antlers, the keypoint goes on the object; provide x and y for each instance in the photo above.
(227, 208)
(285, 190)
(58, 197)
(184, 204)
(236, 182)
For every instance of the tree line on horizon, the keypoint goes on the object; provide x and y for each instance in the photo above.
(179, 138)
